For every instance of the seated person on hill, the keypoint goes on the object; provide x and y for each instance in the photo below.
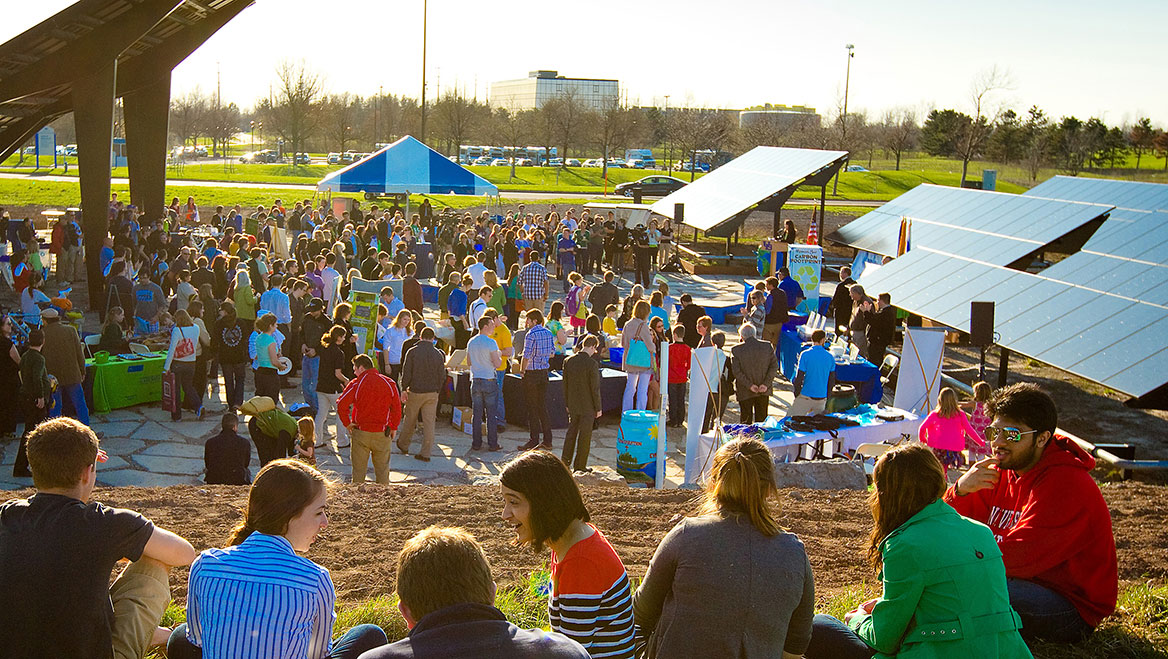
(447, 597)
(56, 553)
(1036, 494)
(944, 587)
(258, 599)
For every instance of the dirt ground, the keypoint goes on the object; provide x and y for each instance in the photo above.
(369, 524)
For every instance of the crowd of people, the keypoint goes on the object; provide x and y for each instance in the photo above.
(1019, 548)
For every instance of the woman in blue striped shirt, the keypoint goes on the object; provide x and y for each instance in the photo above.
(257, 598)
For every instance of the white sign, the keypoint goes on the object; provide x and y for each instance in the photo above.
(704, 369)
(919, 383)
(805, 263)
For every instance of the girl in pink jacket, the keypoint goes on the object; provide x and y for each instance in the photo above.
(946, 428)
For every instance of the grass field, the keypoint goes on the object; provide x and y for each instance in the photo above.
(1138, 630)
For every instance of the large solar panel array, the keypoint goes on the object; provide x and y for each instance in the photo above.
(1114, 340)
(996, 227)
(1132, 195)
(717, 198)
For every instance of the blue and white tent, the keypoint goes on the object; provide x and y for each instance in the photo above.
(407, 165)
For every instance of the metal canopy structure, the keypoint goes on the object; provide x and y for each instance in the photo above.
(1000, 228)
(1111, 339)
(80, 60)
(718, 202)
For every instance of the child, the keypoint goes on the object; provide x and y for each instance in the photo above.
(666, 298)
(306, 446)
(978, 418)
(945, 428)
(610, 320)
(679, 355)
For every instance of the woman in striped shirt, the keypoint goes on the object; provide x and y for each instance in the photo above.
(590, 600)
(257, 598)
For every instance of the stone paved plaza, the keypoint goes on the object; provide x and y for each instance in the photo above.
(147, 449)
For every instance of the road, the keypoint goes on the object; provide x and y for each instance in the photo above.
(296, 187)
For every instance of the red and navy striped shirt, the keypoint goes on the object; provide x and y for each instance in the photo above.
(591, 601)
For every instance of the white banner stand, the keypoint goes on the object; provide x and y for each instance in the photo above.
(919, 383)
(661, 443)
(702, 371)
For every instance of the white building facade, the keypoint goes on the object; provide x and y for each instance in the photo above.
(539, 87)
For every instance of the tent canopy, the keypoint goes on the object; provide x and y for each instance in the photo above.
(407, 165)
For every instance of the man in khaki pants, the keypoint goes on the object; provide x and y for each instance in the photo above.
(422, 377)
(371, 409)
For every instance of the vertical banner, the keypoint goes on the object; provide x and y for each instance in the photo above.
(364, 320)
(659, 475)
(805, 263)
(919, 382)
(704, 370)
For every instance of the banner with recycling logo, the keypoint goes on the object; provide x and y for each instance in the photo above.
(805, 263)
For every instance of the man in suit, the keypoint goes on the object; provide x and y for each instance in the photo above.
(688, 318)
(881, 328)
(841, 300)
(755, 367)
(582, 393)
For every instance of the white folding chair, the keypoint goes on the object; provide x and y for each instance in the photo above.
(887, 367)
(869, 450)
(91, 342)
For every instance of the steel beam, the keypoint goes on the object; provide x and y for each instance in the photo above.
(146, 112)
(93, 116)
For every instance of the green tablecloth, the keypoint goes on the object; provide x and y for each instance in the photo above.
(122, 383)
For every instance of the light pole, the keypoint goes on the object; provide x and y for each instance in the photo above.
(665, 118)
(844, 119)
(424, 16)
(253, 136)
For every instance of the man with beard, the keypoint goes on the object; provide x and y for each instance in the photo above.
(1036, 494)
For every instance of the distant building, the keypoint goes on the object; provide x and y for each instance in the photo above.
(539, 87)
(782, 117)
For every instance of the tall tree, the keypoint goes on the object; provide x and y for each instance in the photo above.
(941, 132)
(1141, 137)
(225, 121)
(694, 130)
(512, 128)
(294, 111)
(1036, 138)
(899, 132)
(1006, 142)
(455, 118)
(613, 128)
(188, 116)
(1160, 144)
(340, 116)
(985, 114)
(1113, 147)
(566, 114)
(1074, 144)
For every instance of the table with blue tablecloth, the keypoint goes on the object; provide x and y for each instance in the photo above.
(861, 373)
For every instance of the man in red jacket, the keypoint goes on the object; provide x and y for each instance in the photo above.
(371, 409)
(1036, 493)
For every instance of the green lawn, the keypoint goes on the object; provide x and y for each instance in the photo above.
(1138, 630)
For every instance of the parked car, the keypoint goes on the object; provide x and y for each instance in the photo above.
(500, 162)
(482, 161)
(334, 158)
(617, 162)
(523, 162)
(856, 168)
(651, 186)
(572, 162)
(267, 155)
(592, 162)
(556, 162)
(302, 159)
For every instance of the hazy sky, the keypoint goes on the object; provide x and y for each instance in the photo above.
(1086, 58)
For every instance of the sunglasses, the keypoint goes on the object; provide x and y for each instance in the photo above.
(1009, 434)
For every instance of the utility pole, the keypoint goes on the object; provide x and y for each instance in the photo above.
(424, 16)
(377, 119)
(844, 119)
(665, 119)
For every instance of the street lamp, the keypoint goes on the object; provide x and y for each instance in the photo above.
(665, 117)
(253, 136)
(844, 119)
(424, 16)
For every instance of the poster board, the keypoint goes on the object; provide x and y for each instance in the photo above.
(919, 382)
(364, 320)
(862, 260)
(704, 369)
(806, 264)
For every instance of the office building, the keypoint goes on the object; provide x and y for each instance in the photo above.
(539, 87)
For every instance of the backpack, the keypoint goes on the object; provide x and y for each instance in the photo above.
(573, 301)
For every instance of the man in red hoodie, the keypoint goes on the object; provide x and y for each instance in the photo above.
(371, 409)
(1036, 493)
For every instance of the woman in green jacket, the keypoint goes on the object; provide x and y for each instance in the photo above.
(245, 300)
(944, 580)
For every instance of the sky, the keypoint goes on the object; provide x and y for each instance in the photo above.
(1070, 57)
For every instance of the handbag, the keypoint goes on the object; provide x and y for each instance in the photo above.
(638, 354)
(185, 347)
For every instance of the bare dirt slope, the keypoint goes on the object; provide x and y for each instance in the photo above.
(369, 524)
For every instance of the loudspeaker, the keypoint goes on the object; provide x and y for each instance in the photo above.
(981, 323)
(679, 213)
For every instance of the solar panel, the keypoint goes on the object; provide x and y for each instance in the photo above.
(1106, 337)
(1134, 195)
(717, 197)
(992, 226)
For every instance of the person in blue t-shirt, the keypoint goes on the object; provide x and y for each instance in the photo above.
(814, 379)
(457, 305)
(791, 287)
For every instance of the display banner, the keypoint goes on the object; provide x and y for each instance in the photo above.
(918, 384)
(364, 320)
(805, 263)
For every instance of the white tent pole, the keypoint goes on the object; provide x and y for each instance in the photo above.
(661, 444)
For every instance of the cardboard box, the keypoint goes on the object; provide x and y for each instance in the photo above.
(461, 415)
